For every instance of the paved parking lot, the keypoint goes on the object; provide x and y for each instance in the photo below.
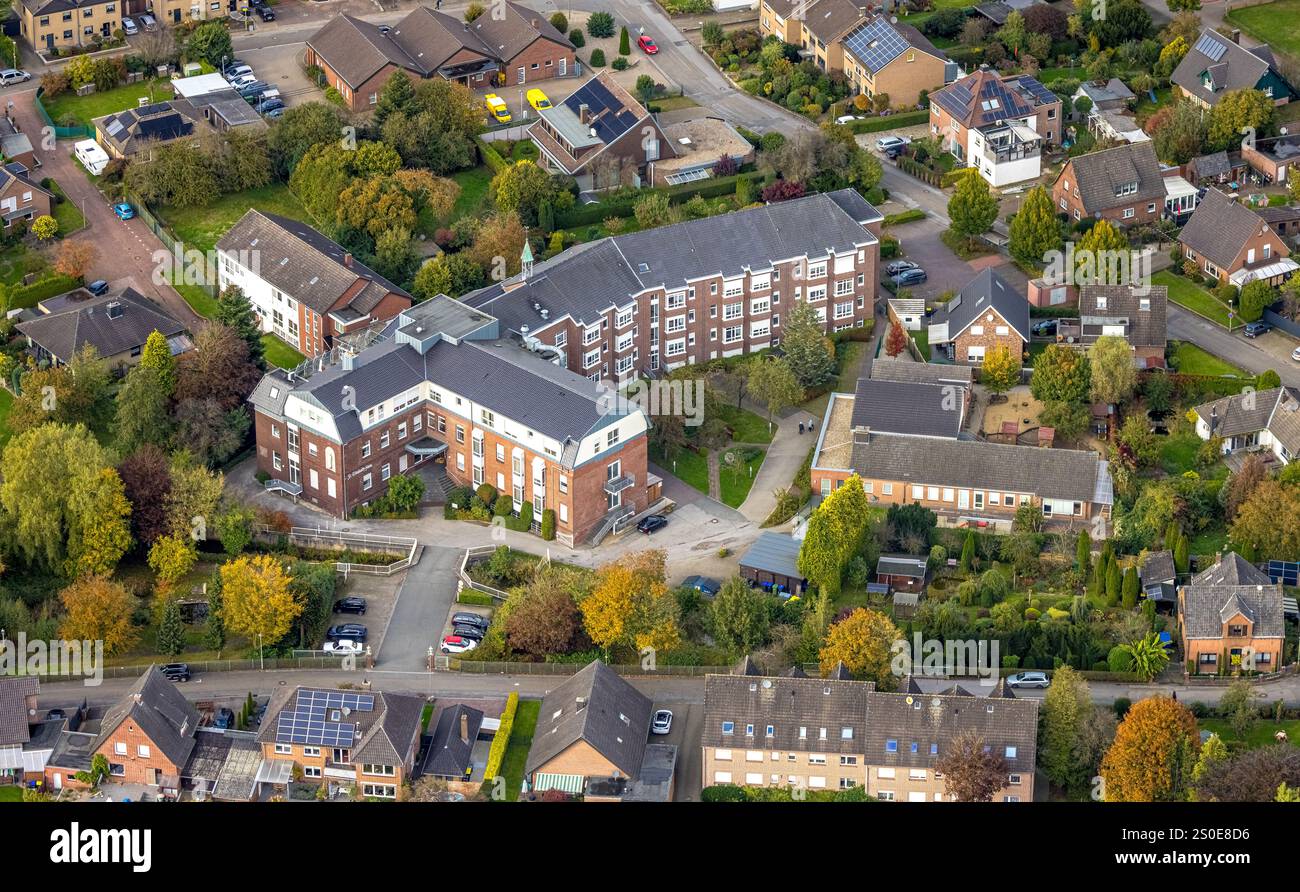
(1279, 345)
(688, 722)
(380, 593)
(281, 67)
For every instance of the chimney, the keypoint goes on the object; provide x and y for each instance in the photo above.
(584, 113)
(347, 260)
(114, 310)
(464, 728)
(1236, 35)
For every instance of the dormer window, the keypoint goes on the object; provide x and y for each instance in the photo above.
(1236, 631)
(1101, 302)
(1126, 189)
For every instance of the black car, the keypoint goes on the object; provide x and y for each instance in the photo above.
(465, 618)
(473, 633)
(651, 524)
(354, 631)
(224, 719)
(175, 671)
(252, 92)
(910, 277)
(1045, 327)
(98, 287)
(267, 13)
(351, 605)
(894, 267)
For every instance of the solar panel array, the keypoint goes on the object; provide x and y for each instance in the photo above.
(1208, 46)
(616, 120)
(317, 718)
(1285, 572)
(1009, 104)
(1041, 94)
(876, 44)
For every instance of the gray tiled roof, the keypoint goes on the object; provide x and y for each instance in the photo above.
(159, 710)
(510, 33)
(1235, 68)
(14, 719)
(829, 19)
(396, 732)
(1207, 607)
(773, 552)
(787, 704)
(916, 722)
(1231, 569)
(1124, 305)
(1100, 175)
(1276, 410)
(885, 369)
(87, 321)
(449, 755)
(899, 407)
(987, 290)
(1213, 165)
(597, 706)
(1219, 228)
(974, 464)
(1158, 567)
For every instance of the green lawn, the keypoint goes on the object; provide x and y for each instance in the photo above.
(921, 337)
(1276, 23)
(1192, 360)
(524, 150)
(746, 426)
(692, 468)
(199, 300)
(66, 213)
(11, 793)
(673, 103)
(1047, 75)
(1178, 452)
(18, 261)
(735, 479)
(521, 739)
(6, 403)
(85, 108)
(200, 227)
(473, 196)
(1209, 541)
(1188, 294)
(1260, 734)
(278, 353)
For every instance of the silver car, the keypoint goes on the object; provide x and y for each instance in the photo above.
(129, 27)
(1028, 680)
(13, 76)
(662, 722)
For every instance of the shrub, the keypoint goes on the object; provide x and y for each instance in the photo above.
(624, 42)
(576, 38)
(600, 24)
(1121, 706)
(597, 58)
(559, 22)
(486, 492)
(619, 63)
(548, 524)
(501, 739)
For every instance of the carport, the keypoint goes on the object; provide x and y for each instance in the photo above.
(772, 562)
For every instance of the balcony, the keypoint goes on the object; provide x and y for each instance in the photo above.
(1006, 144)
(618, 484)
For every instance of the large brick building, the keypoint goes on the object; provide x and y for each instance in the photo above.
(645, 302)
(508, 44)
(445, 384)
(1123, 185)
(305, 289)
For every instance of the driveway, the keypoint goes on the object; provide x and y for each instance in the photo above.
(686, 733)
(283, 70)
(920, 243)
(426, 596)
(1236, 349)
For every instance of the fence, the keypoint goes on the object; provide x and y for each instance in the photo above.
(1277, 320)
(483, 667)
(330, 540)
(496, 594)
(247, 665)
(81, 131)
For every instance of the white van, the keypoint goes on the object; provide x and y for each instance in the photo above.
(91, 155)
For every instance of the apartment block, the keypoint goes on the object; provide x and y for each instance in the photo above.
(49, 25)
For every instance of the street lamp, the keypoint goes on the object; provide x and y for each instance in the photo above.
(261, 654)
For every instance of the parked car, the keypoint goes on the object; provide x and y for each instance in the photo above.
(129, 27)
(913, 276)
(455, 644)
(224, 719)
(345, 646)
(148, 23)
(893, 152)
(123, 210)
(894, 267)
(55, 715)
(885, 143)
(1028, 680)
(274, 112)
(703, 584)
(236, 69)
(647, 44)
(351, 605)
(14, 76)
(538, 100)
(846, 119)
(652, 523)
(240, 81)
(1295, 354)
(465, 618)
(98, 287)
(473, 633)
(663, 722)
(347, 630)
(496, 107)
(175, 671)
(266, 13)
(269, 105)
(1044, 327)
(1255, 329)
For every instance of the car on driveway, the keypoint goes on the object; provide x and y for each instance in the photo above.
(466, 618)
(98, 287)
(129, 27)
(496, 107)
(1044, 327)
(14, 76)
(885, 143)
(703, 584)
(1028, 680)
(266, 106)
(1255, 329)
(473, 633)
(266, 13)
(455, 644)
(351, 604)
(647, 44)
(538, 100)
(1295, 354)
(236, 70)
(347, 630)
(894, 267)
(224, 719)
(148, 23)
(652, 523)
(909, 277)
(123, 210)
(662, 722)
(175, 671)
(346, 646)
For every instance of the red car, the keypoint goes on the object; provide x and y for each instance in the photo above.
(647, 43)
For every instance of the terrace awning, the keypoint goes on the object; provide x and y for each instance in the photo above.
(427, 447)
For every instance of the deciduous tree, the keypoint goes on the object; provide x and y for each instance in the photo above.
(630, 607)
(1154, 751)
(1001, 370)
(257, 601)
(972, 207)
(1035, 230)
(972, 772)
(98, 609)
(1062, 374)
(863, 641)
(1114, 376)
(740, 616)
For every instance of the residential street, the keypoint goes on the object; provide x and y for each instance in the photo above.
(1235, 348)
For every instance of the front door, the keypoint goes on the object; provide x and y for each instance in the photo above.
(521, 75)
(963, 499)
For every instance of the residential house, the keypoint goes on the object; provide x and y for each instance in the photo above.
(1233, 244)
(837, 734)
(600, 135)
(368, 740)
(591, 739)
(1284, 220)
(21, 197)
(18, 713)
(885, 369)
(443, 383)
(781, 17)
(1271, 158)
(772, 563)
(998, 10)
(1134, 313)
(903, 572)
(1230, 619)
(116, 325)
(997, 124)
(451, 749)
(1267, 421)
(986, 314)
(514, 45)
(305, 289)
(1159, 577)
(136, 132)
(821, 28)
(52, 25)
(15, 146)
(699, 144)
(210, 98)
(1216, 65)
(1123, 185)
(645, 302)
(1217, 167)
(178, 12)
(893, 59)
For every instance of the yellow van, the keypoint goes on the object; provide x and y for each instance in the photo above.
(537, 99)
(496, 107)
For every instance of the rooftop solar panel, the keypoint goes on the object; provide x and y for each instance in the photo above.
(320, 718)
(876, 44)
(1210, 47)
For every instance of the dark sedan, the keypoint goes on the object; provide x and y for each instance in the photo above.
(355, 631)
(909, 277)
(652, 524)
(351, 605)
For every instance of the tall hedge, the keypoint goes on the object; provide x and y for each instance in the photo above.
(497, 752)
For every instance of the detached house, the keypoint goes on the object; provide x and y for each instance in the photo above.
(1216, 65)
(1123, 185)
(1267, 421)
(138, 131)
(305, 289)
(986, 314)
(996, 124)
(21, 198)
(883, 57)
(1273, 158)
(1135, 314)
(1230, 618)
(1233, 244)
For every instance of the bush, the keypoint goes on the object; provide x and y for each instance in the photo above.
(501, 739)
(624, 42)
(1121, 707)
(576, 38)
(548, 524)
(559, 22)
(597, 58)
(619, 64)
(600, 24)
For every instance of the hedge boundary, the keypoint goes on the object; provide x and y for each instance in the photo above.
(621, 205)
(20, 297)
(501, 740)
(889, 122)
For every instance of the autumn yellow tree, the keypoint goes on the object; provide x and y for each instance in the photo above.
(863, 642)
(257, 600)
(1155, 750)
(171, 557)
(99, 528)
(630, 606)
(1267, 524)
(98, 609)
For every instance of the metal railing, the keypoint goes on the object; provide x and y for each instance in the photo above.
(464, 580)
(316, 537)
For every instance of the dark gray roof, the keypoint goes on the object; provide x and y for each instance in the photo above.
(14, 719)
(829, 19)
(1279, 213)
(776, 553)
(1231, 569)
(746, 666)
(1158, 567)
(512, 28)
(1219, 228)
(900, 407)
(356, 49)
(987, 290)
(1101, 176)
(396, 733)
(1276, 410)
(594, 705)
(983, 97)
(876, 42)
(16, 172)
(586, 281)
(1124, 306)
(131, 130)
(1207, 607)
(902, 565)
(918, 723)
(449, 754)
(1232, 67)
(83, 319)
(1215, 164)
(885, 369)
(160, 711)
(823, 708)
(974, 464)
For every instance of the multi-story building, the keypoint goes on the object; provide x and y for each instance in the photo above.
(368, 740)
(177, 12)
(49, 25)
(445, 384)
(893, 59)
(1231, 618)
(997, 125)
(1123, 185)
(836, 734)
(1234, 245)
(646, 302)
(305, 289)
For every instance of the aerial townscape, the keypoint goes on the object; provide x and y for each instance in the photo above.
(647, 401)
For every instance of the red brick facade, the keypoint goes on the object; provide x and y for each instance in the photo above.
(985, 334)
(1125, 212)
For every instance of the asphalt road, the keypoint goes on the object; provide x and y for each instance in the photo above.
(1236, 348)
(425, 598)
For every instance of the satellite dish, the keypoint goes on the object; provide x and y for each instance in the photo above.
(893, 20)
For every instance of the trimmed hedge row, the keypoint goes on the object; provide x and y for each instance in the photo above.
(621, 205)
(908, 216)
(20, 297)
(889, 122)
(491, 157)
(501, 740)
